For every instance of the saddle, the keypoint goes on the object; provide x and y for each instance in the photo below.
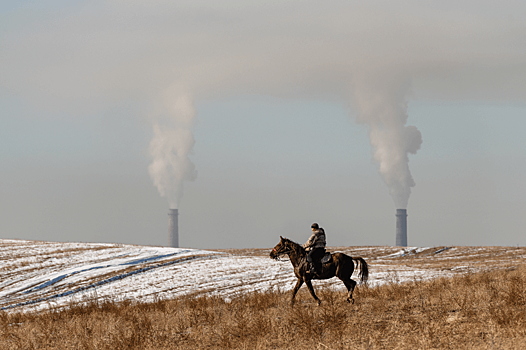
(326, 258)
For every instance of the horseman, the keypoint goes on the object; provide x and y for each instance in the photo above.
(315, 248)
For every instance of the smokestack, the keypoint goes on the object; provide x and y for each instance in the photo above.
(401, 227)
(173, 228)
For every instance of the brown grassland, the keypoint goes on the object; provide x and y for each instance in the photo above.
(484, 310)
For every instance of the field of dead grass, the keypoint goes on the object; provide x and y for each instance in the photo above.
(471, 310)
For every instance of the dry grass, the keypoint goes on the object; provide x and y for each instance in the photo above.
(484, 310)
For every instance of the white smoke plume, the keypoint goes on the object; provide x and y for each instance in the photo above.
(382, 105)
(86, 57)
(170, 146)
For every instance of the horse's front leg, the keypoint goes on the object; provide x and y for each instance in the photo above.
(311, 290)
(296, 288)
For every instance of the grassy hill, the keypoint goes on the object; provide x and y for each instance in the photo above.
(418, 298)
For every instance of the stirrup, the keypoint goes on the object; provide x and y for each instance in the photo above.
(311, 269)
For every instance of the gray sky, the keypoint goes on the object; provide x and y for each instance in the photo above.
(281, 92)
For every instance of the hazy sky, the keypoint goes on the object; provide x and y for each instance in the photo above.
(290, 105)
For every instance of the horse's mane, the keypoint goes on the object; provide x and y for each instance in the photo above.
(290, 240)
(296, 246)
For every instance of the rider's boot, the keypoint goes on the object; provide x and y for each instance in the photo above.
(312, 268)
(316, 268)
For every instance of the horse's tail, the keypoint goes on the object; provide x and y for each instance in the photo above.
(364, 269)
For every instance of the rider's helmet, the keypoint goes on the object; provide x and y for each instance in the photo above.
(315, 225)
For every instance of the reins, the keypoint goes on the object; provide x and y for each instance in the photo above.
(291, 247)
(280, 253)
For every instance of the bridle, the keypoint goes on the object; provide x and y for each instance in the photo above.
(282, 251)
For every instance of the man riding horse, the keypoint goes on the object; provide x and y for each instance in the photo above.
(315, 248)
(340, 265)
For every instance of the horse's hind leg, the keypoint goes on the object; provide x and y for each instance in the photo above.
(350, 284)
(296, 288)
(311, 290)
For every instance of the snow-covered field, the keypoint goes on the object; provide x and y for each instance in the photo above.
(39, 275)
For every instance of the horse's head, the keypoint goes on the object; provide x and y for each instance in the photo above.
(283, 247)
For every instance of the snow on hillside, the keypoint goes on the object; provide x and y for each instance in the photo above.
(40, 275)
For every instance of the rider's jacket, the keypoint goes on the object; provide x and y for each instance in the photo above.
(316, 240)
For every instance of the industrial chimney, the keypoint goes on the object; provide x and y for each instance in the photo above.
(173, 228)
(401, 227)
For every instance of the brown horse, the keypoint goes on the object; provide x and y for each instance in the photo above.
(339, 265)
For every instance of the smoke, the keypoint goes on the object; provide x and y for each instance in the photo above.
(170, 146)
(381, 100)
(86, 57)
